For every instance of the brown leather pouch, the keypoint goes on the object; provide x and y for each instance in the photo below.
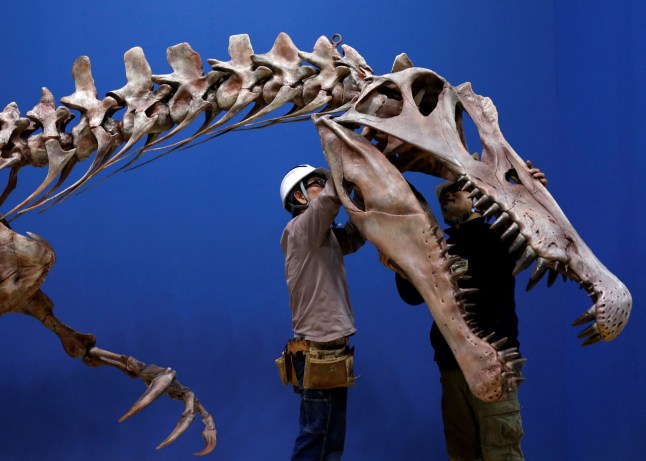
(328, 369)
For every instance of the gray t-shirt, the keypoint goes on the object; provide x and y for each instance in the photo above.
(318, 291)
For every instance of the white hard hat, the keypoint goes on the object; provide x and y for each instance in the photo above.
(295, 176)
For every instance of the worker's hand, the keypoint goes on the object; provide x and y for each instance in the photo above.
(537, 173)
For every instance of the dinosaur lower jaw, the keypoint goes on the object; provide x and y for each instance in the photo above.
(399, 225)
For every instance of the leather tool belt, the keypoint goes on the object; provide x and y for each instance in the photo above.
(327, 365)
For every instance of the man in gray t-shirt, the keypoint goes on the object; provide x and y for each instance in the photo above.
(318, 293)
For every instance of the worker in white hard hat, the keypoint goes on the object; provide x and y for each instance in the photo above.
(318, 360)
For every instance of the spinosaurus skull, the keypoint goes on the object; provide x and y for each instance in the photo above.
(416, 117)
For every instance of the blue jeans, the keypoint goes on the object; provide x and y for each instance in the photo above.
(322, 421)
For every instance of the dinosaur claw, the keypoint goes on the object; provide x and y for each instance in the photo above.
(208, 434)
(183, 423)
(156, 388)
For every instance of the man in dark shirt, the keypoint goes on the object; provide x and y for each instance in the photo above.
(473, 429)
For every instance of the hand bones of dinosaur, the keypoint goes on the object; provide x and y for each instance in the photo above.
(416, 118)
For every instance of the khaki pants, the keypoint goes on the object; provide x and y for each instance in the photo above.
(477, 430)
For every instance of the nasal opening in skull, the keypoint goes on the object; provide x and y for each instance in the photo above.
(426, 91)
(468, 132)
(512, 176)
(384, 101)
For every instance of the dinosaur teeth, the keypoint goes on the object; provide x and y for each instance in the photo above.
(452, 261)
(504, 217)
(464, 292)
(517, 364)
(489, 336)
(493, 210)
(591, 333)
(468, 185)
(518, 243)
(474, 193)
(587, 316)
(446, 249)
(514, 382)
(509, 354)
(483, 201)
(551, 277)
(512, 230)
(498, 344)
(528, 256)
(539, 271)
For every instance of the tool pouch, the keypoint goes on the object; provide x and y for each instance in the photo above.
(326, 369)
(285, 370)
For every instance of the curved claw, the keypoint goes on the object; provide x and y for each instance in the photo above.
(183, 423)
(156, 388)
(209, 432)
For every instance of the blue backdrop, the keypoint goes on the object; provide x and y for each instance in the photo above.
(178, 263)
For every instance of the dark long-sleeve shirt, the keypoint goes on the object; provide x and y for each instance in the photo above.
(490, 267)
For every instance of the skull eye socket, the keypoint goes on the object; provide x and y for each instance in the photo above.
(384, 101)
(426, 91)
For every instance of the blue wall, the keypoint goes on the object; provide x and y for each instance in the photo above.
(178, 263)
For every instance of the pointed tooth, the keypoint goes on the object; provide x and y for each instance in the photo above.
(528, 256)
(439, 239)
(518, 243)
(452, 260)
(512, 230)
(463, 292)
(591, 330)
(446, 249)
(507, 375)
(564, 277)
(458, 269)
(474, 193)
(477, 332)
(468, 316)
(491, 211)
(588, 316)
(468, 185)
(551, 277)
(516, 381)
(504, 217)
(489, 336)
(539, 271)
(517, 364)
(498, 344)
(507, 355)
(591, 340)
(483, 201)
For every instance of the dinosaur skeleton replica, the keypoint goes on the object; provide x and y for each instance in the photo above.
(373, 128)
